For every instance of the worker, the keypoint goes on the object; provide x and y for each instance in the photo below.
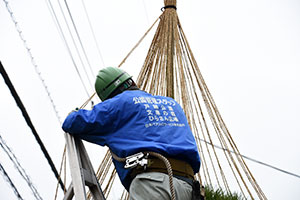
(131, 121)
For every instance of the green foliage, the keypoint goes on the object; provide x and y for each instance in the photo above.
(220, 194)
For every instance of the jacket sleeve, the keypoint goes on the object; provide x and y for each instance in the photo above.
(97, 121)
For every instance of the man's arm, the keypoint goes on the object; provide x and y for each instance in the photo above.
(96, 121)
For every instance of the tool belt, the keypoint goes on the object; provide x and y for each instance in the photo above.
(179, 168)
(140, 163)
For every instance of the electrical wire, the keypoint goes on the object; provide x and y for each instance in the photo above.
(74, 43)
(58, 26)
(7, 178)
(29, 123)
(79, 38)
(32, 58)
(93, 32)
(20, 169)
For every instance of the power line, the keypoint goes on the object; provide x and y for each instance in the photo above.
(58, 26)
(78, 36)
(20, 169)
(7, 178)
(29, 123)
(74, 43)
(93, 33)
(254, 160)
(32, 58)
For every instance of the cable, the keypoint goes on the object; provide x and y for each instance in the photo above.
(93, 33)
(74, 43)
(32, 59)
(20, 169)
(78, 36)
(10, 182)
(29, 123)
(256, 161)
(55, 19)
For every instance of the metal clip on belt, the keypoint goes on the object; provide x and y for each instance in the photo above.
(136, 159)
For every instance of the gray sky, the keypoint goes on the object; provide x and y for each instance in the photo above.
(247, 51)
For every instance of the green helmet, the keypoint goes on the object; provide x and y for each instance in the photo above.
(109, 79)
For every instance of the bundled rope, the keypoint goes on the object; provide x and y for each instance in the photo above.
(170, 69)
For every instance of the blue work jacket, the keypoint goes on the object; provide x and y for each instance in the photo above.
(136, 121)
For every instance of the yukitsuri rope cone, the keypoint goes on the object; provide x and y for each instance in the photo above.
(170, 69)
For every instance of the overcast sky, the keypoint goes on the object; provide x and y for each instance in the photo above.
(247, 51)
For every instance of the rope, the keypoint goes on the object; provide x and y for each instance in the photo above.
(256, 161)
(87, 101)
(169, 169)
(171, 69)
(60, 169)
(109, 185)
(123, 61)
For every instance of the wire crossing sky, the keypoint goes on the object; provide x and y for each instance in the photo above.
(59, 27)
(10, 182)
(29, 122)
(31, 57)
(20, 169)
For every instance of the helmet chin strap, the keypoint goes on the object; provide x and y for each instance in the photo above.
(125, 86)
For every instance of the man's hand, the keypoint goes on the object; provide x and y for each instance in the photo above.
(76, 109)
